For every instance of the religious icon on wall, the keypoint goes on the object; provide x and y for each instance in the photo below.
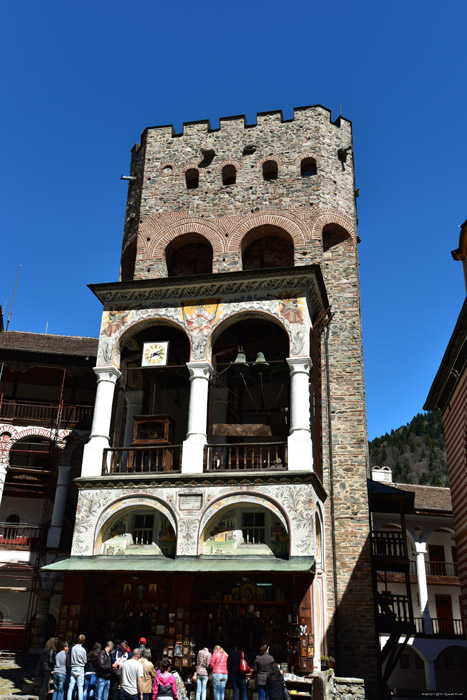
(127, 589)
(152, 589)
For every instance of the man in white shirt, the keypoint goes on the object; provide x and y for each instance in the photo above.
(131, 683)
(78, 658)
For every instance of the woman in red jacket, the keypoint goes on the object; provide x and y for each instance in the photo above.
(218, 667)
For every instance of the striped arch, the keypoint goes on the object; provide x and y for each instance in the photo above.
(35, 432)
(330, 216)
(72, 444)
(157, 247)
(288, 222)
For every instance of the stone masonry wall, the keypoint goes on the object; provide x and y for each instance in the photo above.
(158, 197)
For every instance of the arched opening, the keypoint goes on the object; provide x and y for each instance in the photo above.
(138, 531)
(245, 530)
(308, 167)
(333, 234)
(192, 179)
(190, 254)
(451, 669)
(267, 247)
(409, 672)
(229, 175)
(270, 170)
(319, 553)
(249, 397)
(152, 400)
(127, 270)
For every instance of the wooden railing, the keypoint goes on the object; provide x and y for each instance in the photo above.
(142, 460)
(388, 544)
(246, 456)
(45, 413)
(18, 536)
(436, 568)
(395, 606)
(441, 627)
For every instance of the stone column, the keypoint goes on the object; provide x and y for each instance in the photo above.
(99, 438)
(56, 524)
(420, 549)
(40, 624)
(196, 437)
(299, 445)
(3, 472)
(134, 402)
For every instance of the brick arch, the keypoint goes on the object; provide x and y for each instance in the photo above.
(212, 234)
(288, 222)
(276, 159)
(331, 216)
(236, 163)
(75, 441)
(308, 154)
(36, 432)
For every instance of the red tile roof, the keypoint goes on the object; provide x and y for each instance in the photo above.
(429, 497)
(48, 343)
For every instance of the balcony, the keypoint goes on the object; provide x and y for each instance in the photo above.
(388, 544)
(394, 613)
(17, 536)
(243, 456)
(34, 412)
(443, 569)
(442, 627)
(142, 460)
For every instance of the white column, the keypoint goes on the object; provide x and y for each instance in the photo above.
(299, 445)
(99, 439)
(196, 437)
(134, 402)
(3, 472)
(420, 549)
(430, 675)
(55, 530)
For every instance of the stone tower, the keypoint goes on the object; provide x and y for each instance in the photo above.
(234, 450)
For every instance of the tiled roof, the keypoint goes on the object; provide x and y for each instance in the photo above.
(48, 343)
(429, 497)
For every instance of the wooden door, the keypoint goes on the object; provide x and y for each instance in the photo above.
(444, 614)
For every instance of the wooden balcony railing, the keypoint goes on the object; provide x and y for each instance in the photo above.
(45, 413)
(395, 606)
(18, 536)
(441, 626)
(142, 460)
(246, 456)
(436, 568)
(388, 544)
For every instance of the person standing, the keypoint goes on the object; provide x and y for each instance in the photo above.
(149, 672)
(275, 683)
(218, 666)
(121, 655)
(237, 677)
(202, 672)
(78, 662)
(60, 671)
(103, 671)
(90, 672)
(165, 685)
(262, 665)
(46, 665)
(131, 679)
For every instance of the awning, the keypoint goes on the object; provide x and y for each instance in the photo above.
(185, 564)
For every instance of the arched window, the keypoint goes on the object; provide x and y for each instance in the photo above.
(192, 179)
(333, 234)
(190, 254)
(308, 167)
(128, 262)
(265, 247)
(270, 170)
(229, 175)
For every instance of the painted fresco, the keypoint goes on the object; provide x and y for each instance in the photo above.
(224, 536)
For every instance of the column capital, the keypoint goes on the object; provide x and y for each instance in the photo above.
(201, 370)
(298, 365)
(107, 374)
(421, 547)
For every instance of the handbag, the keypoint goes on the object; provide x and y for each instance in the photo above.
(243, 668)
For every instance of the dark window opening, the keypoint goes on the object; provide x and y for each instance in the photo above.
(253, 528)
(192, 179)
(142, 529)
(308, 167)
(270, 170)
(190, 254)
(229, 175)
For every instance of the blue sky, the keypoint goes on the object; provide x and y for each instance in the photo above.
(81, 80)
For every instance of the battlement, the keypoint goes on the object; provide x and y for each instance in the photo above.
(239, 121)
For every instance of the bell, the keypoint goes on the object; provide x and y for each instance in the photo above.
(240, 361)
(240, 372)
(260, 361)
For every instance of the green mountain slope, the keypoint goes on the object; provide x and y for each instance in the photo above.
(415, 452)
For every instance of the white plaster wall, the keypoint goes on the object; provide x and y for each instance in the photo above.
(28, 509)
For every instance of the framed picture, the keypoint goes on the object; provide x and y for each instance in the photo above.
(170, 652)
(178, 650)
(186, 661)
(186, 651)
(172, 631)
(140, 591)
(127, 589)
(153, 589)
(177, 662)
(179, 613)
(171, 617)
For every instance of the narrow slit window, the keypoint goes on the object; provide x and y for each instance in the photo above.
(192, 179)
